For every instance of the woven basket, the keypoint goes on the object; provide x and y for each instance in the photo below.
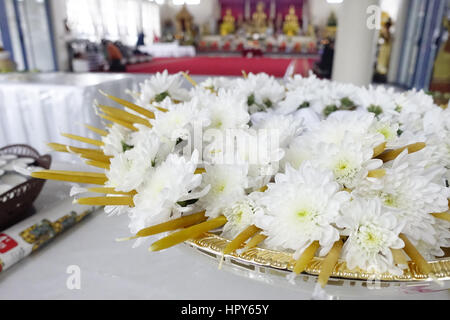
(16, 204)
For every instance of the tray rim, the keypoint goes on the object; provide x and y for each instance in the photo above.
(283, 261)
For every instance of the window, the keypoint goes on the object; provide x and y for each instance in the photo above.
(181, 2)
(113, 19)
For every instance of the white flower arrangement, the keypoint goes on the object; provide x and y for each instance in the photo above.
(340, 171)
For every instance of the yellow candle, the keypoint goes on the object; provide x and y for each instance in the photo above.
(255, 241)
(77, 173)
(69, 178)
(329, 263)
(379, 149)
(131, 106)
(98, 164)
(392, 154)
(188, 233)
(111, 191)
(200, 171)
(107, 201)
(171, 225)
(101, 132)
(98, 158)
(240, 239)
(83, 139)
(415, 255)
(124, 115)
(188, 78)
(162, 109)
(69, 149)
(123, 123)
(306, 257)
(244, 74)
(399, 257)
(377, 173)
(442, 216)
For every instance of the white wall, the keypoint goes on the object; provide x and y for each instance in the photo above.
(58, 14)
(208, 11)
(320, 10)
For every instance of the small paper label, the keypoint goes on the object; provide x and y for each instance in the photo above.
(6, 243)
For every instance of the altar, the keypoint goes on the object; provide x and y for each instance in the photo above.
(265, 25)
(270, 45)
(168, 50)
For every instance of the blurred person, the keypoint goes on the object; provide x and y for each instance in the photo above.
(114, 56)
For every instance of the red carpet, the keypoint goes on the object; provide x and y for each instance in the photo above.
(226, 66)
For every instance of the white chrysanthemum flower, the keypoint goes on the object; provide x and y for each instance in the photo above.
(287, 126)
(300, 98)
(240, 215)
(408, 189)
(388, 129)
(159, 87)
(227, 111)
(310, 82)
(372, 233)
(442, 235)
(178, 121)
(128, 170)
(349, 161)
(116, 140)
(216, 83)
(300, 150)
(342, 124)
(163, 187)
(378, 100)
(261, 90)
(227, 183)
(301, 207)
(261, 151)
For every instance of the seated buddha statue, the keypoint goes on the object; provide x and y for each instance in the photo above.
(259, 19)
(291, 26)
(227, 25)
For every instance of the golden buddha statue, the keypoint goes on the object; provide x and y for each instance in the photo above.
(227, 25)
(259, 19)
(184, 23)
(291, 26)
(385, 45)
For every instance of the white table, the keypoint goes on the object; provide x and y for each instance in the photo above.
(111, 270)
(167, 50)
(36, 108)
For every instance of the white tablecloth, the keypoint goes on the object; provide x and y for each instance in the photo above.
(111, 270)
(36, 108)
(172, 49)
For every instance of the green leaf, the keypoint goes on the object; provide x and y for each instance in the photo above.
(126, 147)
(304, 105)
(251, 100)
(330, 109)
(375, 109)
(160, 97)
(187, 202)
(347, 104)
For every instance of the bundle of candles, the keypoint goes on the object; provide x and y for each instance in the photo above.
(308, 166)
